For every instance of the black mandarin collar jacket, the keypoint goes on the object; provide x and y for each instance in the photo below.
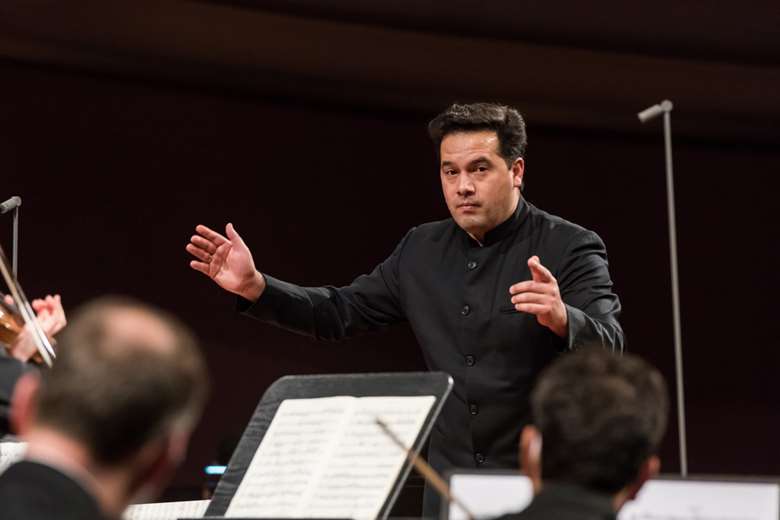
(455, 295)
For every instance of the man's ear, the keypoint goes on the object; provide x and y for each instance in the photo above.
(531, 455)
(24, 403)
(518, 169)
(649, 469)
(155, 464)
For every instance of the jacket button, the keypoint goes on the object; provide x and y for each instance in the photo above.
(474, 409)
(470, 360)
(465, 310)
(479, 458)
(471, 265)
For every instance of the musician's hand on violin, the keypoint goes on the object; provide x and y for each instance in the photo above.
(51, 315)
(23, 347)
(227, 261)
(51, 318)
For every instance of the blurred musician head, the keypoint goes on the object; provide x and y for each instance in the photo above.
(598, 422)
(116, 411)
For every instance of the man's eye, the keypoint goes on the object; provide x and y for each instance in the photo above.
(449, 172)
(482, 168)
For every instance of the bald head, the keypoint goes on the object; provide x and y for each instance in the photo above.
(137, 326)
(125, 373)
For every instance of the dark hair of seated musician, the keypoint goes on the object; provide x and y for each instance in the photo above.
(111, 420)
(598, 422)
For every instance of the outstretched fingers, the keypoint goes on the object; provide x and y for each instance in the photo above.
(199, 253)
(204, 244)
(233, 235)
(200, 266)
(210, 235)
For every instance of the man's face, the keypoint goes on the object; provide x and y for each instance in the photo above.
(480, 190)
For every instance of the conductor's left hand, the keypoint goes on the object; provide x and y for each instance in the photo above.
(541, 297)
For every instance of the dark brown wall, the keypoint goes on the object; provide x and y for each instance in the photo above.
(116, 172)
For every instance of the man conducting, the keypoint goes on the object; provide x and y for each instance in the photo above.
(110, 421)
(493, 294)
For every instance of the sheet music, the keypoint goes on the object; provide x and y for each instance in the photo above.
(286, 463)
(166, 510)
(365, 463)
(704, 500)
(327, 458)
(10, 453)
(489, 496)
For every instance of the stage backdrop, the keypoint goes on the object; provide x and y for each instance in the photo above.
(115, 170)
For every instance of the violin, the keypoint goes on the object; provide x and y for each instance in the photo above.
(11, 322)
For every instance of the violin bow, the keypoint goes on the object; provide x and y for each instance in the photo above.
(28, 315)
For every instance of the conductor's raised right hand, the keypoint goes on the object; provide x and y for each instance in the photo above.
(227, 261)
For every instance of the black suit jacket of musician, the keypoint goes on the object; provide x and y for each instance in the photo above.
(33, 491)
(566, 502)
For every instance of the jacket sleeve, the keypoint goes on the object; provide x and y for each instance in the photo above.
(371, 302)
(586, 290)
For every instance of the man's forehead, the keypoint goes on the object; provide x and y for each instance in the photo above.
(459, 145)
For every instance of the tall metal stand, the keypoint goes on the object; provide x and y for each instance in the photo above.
(15, 245)
(13, 204)
(665, 108)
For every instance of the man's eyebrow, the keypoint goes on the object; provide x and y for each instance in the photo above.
(481, 158)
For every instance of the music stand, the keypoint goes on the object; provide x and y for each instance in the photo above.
(437, 384)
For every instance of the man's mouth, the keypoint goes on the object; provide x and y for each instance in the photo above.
(467, 205)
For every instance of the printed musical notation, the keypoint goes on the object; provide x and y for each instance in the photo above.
(327, 458)
(704, 500)
(166, 510)
(690, 515)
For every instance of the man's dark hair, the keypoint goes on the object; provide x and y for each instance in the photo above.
(601, 416)
(505, 121)
(113, 390)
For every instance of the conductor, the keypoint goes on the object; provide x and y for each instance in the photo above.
(493, 294)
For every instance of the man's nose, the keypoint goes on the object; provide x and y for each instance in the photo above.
(465, 186)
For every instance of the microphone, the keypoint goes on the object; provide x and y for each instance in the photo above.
(11, 204)
(655, 111)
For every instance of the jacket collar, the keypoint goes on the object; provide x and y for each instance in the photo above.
(503, 230)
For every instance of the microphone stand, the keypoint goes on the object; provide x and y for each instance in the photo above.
(14, 203)
(15, 245)
(665, 108)
(39, 337)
